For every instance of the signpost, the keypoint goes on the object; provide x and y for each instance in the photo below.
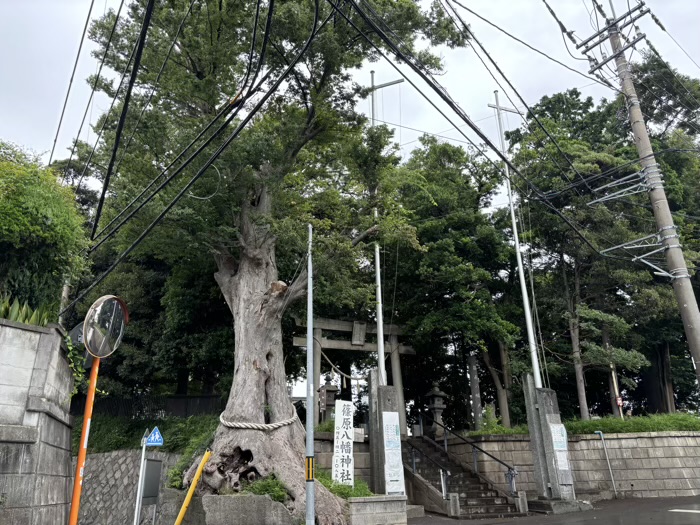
(393, 464)
(102, 333)
(152, 439)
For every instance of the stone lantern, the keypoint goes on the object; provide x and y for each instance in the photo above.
(326, 400)
(436, 405)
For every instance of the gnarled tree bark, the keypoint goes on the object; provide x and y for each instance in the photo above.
(257, 300)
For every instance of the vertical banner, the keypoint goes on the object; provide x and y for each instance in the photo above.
(343, 460)
(393, 465)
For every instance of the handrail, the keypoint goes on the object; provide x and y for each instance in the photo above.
(469, 442)
(437, 463)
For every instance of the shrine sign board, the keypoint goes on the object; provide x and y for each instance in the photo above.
(343, 460)
(393, 464)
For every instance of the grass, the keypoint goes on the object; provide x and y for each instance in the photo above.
(271, 486)
(189, 437)
(652, 423)
(327, 426)
(117, 433)
(611, 425)
(359, 490)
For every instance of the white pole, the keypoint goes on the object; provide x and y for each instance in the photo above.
(521, 273)
(378, 275)
(139, 488)
(310, 488)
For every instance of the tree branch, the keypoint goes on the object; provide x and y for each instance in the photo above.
(361, 237)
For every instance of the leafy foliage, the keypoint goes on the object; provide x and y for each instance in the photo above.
(12, 310)
(41, 232)
(359, 490)
(270, 486)
(651, 423)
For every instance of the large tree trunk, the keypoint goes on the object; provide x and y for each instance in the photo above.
(501, 391)
(667, 379)
(259, 391)
(612, 374)
(575, 334)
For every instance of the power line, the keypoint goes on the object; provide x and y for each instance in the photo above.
(466, 28)
(658, 23)
(125, 109)
(155, 84)
(548, 57)
(97, 79)
(106, 117)
(244, 122)
(70, 82)
(234, 104)
(445, 97)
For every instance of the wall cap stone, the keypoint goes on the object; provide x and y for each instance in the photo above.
(27, 327)
(40, 404)
(500, 438)
(18, 434)
(377, 499)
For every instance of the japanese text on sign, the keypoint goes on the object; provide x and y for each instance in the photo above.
(343, 460)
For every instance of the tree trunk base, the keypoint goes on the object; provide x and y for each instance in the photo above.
(240, 456)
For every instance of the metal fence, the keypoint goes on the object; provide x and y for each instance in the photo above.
(150, 407)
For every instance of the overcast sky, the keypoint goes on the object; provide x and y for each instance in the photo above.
(40, 39)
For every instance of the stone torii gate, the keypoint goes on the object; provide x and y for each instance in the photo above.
(358, 331)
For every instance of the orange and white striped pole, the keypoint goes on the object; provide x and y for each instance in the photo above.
(82, 451)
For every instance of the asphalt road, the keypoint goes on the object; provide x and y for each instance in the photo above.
(656, 511)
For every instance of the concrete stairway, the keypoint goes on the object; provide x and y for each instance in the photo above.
(477, 498)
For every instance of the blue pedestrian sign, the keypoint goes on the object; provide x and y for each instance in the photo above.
(155, 438)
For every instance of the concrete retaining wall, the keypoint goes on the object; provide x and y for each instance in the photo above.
(323, 451)
(378, 510)
(109, 487)
(645, 465)
(35, 431)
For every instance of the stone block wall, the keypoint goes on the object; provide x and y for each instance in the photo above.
(644, 465)
(109, 486)
(323, 451)
(35, 432)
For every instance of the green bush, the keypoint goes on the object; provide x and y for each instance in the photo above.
(271, 486)
(653, 423)
(109, 433)
(327, 426)
(610, 425)
(359, 490)
(497, 430)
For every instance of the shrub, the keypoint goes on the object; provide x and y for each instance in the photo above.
(327, 426)
(271, 486)
(652, 423)
(359, 490)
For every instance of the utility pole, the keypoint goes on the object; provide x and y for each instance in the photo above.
(310, 402)
(377, 260)
(666, 238)
(521, 272)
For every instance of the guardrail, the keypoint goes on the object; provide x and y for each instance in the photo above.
(444, 471)
(511, 472)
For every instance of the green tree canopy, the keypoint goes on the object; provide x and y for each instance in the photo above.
(41, 231)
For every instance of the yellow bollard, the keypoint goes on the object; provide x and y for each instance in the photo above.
(193, 486)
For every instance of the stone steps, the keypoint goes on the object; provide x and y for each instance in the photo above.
(477, 499)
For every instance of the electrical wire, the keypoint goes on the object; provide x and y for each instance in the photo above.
(658, 23)
(97, 79)
(153, 88)
(470, 33)
(532, 48)
(125, 109)
(70, 82)
(463, 116)
(244, 122)
(234, 105)
(106, 117)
